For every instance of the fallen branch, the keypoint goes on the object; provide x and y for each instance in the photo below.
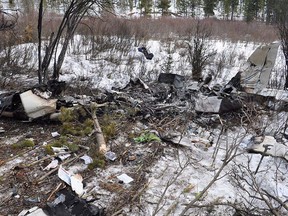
(54, 191)
(99, 135)
(47, 157)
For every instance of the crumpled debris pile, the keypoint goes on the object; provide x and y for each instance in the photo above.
(67, 204)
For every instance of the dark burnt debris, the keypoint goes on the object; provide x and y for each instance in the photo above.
(67, 203)
(39, 101)
(147, 55)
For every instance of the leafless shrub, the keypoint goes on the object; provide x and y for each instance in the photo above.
(199, 53)
(143, 28)
(8, 19)
(256, 196)
(16, 60)
(220, 64)
(232, 56)
(278, 80)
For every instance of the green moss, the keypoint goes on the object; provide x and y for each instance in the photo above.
(188, 188)
(87, 131)
(72, 125)
(82, 112)
(23, 144)
(48, 149)
(62, 141)
(73, 147)
(72, 115)
(99, 163)
(131, 111)
(98, 160)
(108, 126)
(2, 179)
(67, 115)
(89, 123)
(68, 128)
(131, 136)
(147, 137)
(109, 130)
(88, 126)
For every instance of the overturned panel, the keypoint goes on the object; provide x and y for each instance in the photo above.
(256, 74)
(215, 104)
(259, 55)
(36, 106)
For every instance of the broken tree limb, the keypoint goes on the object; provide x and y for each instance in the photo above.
(47, 157)
(97, 129)
(99, 135)
(54, 191)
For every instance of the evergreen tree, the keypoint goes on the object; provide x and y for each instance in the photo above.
(249, 10)
(281, 18)
(187, 7)
(226, 7)
(269, 11)
(193, 4)
(146, 7)
(252, 9)
(11, 3)
(209, 6)
(164, 5)
(230, 7)
(130, 4)
(122, 5)
(182, 6)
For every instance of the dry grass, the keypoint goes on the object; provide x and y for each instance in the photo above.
(168, 27)
(146, 28)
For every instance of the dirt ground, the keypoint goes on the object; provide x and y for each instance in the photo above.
(21, 179)
(22, 185)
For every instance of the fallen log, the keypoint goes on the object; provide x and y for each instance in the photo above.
(99, 135)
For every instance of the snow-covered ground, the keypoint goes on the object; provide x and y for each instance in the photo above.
(112, 67)
(173, 186)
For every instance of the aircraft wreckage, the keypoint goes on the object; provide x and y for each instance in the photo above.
(251, 81)
(40, 101)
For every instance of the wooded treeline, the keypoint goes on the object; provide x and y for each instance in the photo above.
(248, 10)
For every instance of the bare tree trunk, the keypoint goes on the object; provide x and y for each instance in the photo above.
(285, 50)
(71, 19)
(40, 17)
(60, 60)
(45, 62)
(72, 23)
(281, 17)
